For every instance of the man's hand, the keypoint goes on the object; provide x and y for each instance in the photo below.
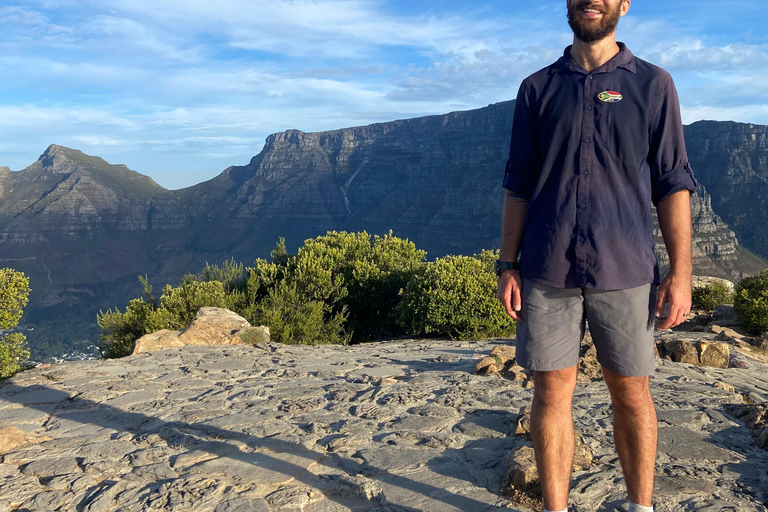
(674, 290)
(510, 285)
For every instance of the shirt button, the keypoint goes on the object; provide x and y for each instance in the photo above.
(585, 172)
(581, 239)
(582, 206)
(587, 140)
(589, 107)
(591, 77)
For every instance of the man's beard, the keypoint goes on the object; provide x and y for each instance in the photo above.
(590, 31)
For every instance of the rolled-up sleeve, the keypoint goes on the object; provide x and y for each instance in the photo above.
(524, 164)
(667, 157)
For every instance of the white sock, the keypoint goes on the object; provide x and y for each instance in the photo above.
(634, 507)
(564, 510)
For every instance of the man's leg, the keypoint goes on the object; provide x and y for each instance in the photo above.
(621, 323)
(635, 433)
(552, 433)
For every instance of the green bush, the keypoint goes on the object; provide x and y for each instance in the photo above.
(711, 295)
(294, 319)
(253, 336)
(455, 296)
(14, 295)
(751, 302)
(359, 273)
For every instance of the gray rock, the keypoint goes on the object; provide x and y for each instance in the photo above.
(683, 443)
(238, 504)
(434, 439)
(47, 467)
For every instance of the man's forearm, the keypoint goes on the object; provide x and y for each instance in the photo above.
(675, 222)
(512, 221)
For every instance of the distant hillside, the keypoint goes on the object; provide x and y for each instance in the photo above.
(84, 229)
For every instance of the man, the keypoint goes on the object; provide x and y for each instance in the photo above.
(597, 137)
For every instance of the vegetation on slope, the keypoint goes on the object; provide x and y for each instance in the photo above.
(14, 294)
(339, 288)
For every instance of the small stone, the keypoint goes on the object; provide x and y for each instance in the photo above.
(761, 342)
(724, 386)
(516, 373)
(505, 353)
(582, 456)
(487, 366)
(523, 424)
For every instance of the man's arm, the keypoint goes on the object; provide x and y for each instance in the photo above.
(675, 222)
(512, 223)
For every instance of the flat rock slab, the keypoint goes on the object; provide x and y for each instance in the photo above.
(391, 426)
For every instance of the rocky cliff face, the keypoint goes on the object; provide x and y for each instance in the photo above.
(434, 179)
(731, 160)
(84, 229)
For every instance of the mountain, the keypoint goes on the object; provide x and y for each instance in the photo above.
(731, 160)
(84, 229)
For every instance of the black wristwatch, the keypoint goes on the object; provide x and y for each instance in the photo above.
(502, 266)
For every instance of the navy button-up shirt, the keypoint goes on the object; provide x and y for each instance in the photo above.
(592, 152)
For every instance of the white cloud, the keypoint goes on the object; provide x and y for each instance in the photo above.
(194, 85)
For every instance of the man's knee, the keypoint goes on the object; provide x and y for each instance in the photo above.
(554, 388)
(628, 393)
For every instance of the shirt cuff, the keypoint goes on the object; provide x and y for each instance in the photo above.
(679, 178)
(517, 184)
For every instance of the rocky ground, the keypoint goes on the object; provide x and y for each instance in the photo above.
(403, 425)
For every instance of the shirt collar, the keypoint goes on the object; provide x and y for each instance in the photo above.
(624, 59)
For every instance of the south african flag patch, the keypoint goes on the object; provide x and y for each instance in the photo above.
(609, 97)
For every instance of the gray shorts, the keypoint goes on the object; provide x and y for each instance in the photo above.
(621, 323)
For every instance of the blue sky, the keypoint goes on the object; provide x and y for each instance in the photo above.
(181, 89)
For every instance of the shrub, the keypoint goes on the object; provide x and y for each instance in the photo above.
(14, 295)
(751, 302)
(253, 336)
(293, 318)
(455, 296)
(361, 273)
(711, 295)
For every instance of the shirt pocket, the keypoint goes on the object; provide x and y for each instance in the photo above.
(621, 130)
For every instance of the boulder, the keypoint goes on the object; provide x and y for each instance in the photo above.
(487, 366)
(699, 281)
(700, 353)
(725, 333)
(211, 326)
(714, 354)
(505, 353)
(682, 351)
(521, 474)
